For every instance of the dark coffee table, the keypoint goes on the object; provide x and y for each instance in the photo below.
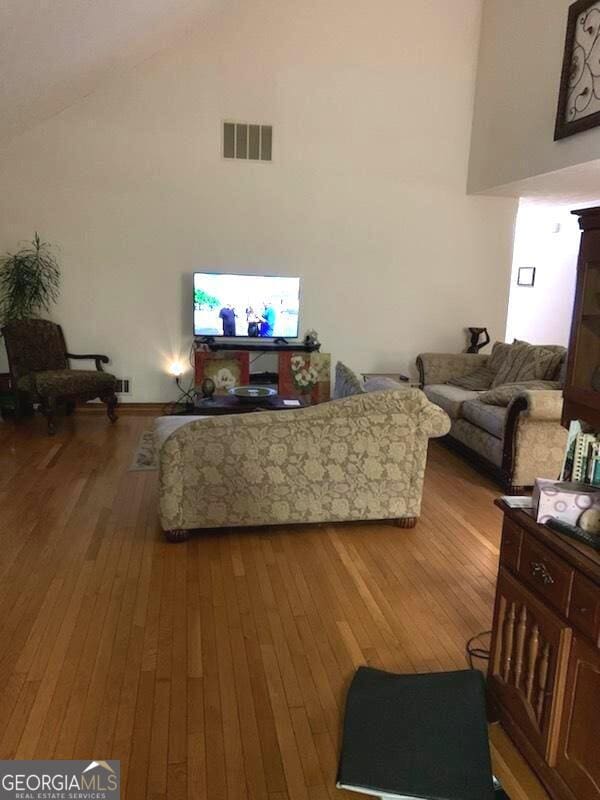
(226, 404)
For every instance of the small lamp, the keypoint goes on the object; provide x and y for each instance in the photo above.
(176, 369)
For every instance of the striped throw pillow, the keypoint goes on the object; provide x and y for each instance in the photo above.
(527, 363)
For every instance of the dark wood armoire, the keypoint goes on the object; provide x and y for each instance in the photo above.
(544, 672)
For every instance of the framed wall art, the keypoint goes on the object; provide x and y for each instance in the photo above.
(579, 94)
(526, 276)
(306, 375)
(227, 368)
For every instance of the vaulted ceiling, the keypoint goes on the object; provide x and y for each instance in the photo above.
(53, 52)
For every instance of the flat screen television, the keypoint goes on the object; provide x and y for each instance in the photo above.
(246, 305)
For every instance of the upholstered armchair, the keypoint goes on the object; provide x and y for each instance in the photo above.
(40, 373)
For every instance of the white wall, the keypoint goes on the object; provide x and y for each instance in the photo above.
(542, 314)
(371, 106)
(518, 79)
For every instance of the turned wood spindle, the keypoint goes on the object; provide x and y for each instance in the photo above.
(521, 631)
(543, 680)
(534, 644)
(500, 636)
(508, 641)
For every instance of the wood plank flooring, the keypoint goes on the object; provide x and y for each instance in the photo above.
(216, 668)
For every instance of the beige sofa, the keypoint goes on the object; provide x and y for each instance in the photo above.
(518, 443)
(357, 458)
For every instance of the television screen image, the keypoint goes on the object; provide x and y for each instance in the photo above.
(246, 305)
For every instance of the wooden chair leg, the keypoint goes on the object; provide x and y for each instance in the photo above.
(19, 406)
(111, 401)
(23, 405)
(515, 491)
(177, 535)
(406, 522)
(48, 409)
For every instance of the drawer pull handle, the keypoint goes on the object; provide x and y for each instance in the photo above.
(582, 610)
(539, 570)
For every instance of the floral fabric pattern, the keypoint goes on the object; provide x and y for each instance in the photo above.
(38, 362)
(544, 405)
(57, 383)
(538, 438)
(476, 381)
(306, 375)
(33, 345)
(441, 367)
(526, 362)
(539, 452)
(489, 418)
(359, 458)
(482, 442)
(505, 394)
(450, 398)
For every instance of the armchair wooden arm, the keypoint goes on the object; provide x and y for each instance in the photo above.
(99, 359)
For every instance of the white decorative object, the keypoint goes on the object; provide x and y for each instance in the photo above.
(564, 501)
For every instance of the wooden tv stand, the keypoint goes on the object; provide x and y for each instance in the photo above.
(256, 345)
(544, 671)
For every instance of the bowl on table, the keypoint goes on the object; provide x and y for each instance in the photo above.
(253, 394)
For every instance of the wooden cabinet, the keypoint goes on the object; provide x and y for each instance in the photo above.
(582, 387)
(544, 672)
(527, 662)
(579, 743)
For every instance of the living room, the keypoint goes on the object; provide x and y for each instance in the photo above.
(413, 185)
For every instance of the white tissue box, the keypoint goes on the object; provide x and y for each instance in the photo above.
(564, 501)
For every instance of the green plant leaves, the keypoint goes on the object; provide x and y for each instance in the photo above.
(29, 281)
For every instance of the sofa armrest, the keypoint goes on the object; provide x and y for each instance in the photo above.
(434, 421)
(540, 404)
(534, 439)
(172, 475)
(441, 367)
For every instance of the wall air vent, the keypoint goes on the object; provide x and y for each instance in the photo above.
(248, 141)
(123, 386)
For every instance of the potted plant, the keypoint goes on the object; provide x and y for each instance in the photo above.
(29, 283)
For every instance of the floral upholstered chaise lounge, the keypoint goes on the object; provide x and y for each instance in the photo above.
(357, 458)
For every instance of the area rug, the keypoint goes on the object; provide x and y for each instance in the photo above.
(145, 455)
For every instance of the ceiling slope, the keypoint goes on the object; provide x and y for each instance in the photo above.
(53, 52)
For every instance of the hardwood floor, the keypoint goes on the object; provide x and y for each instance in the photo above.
(216, 668)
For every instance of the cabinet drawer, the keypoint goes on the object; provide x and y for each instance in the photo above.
(546, 573)
(511, 545)
(584, 609)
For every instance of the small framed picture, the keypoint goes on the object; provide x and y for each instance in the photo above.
(526, 276)
(579, 94)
